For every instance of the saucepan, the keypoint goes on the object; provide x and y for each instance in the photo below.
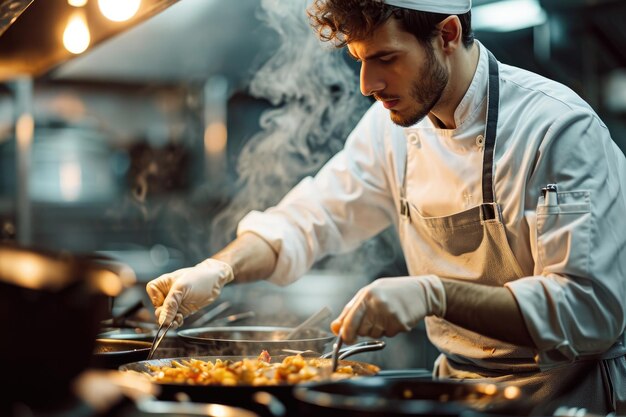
(250, 340)
(245, 395)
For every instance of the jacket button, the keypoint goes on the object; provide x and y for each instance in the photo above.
(413, 139)
(480, 141)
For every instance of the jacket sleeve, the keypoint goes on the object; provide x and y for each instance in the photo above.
(346, 203)
(573, 305)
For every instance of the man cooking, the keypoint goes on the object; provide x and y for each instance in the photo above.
(506, 189)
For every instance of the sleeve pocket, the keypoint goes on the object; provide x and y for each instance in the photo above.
(563, 234)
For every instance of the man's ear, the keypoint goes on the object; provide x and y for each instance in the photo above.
(450, 32)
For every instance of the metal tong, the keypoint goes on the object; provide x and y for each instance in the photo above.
(335, 353)
(365, 346)
(158, 339)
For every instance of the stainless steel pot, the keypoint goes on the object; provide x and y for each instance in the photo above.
(251, 340)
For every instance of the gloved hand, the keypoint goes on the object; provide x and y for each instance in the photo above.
(178, 294)
(388, 306)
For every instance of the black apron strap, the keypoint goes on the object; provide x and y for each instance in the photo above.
(493, 101)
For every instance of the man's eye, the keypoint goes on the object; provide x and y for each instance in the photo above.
(385, 59)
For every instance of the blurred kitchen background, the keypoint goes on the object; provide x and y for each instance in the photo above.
(145, 129)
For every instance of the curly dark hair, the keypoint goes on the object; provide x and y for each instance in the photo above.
(343, 21)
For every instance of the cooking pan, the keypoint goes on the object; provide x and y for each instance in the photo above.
(243, 395)
(378, 396)
(250, 340)
(113, 353)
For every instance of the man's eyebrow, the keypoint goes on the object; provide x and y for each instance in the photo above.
(373, 56)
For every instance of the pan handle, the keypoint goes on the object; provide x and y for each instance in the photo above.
(365, 346)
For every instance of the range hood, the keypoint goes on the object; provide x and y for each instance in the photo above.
(10, 10)
(31, 32)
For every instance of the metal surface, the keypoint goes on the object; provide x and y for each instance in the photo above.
(32, 44)
(251, 340)
(10, 10)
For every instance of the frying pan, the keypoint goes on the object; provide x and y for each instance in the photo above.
(113, 353)
(241, 395)
(378, 396)
(251, 340)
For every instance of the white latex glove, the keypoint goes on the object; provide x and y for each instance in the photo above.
(388, 306)
(178, 294)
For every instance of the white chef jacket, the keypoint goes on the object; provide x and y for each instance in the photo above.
(574, 255)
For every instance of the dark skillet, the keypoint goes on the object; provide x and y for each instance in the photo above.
(378, 396)
(113, 353)
(241, 395)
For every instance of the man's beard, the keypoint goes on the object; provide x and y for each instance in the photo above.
(426, 91)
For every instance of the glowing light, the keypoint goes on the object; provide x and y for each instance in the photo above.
(29, 272)
(107, 282)
(70, 176)
(76, 37)
(508, 15)
(511, 392)
(215, 137)
(119, 10)
(77, 3)
(490, 389)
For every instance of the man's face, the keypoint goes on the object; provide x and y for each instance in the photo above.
(401, 72)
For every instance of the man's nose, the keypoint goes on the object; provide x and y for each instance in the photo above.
(371, 82)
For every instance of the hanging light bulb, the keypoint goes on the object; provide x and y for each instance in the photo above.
(76, 36)
(77, 3)
(119, 10)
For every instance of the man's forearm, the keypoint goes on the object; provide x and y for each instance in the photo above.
(251, 258)
(491, 311)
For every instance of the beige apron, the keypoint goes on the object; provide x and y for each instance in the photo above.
(472, 246)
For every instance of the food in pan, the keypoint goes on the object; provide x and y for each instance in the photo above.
(258, 371)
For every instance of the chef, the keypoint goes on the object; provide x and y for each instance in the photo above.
(508, 194)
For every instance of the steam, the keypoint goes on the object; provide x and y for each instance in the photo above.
(317, 103)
